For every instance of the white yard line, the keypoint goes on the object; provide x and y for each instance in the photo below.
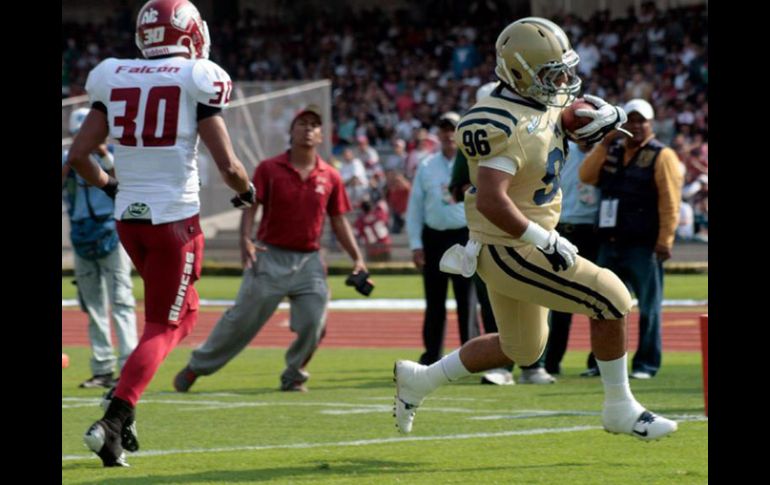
(378, 441)
(352, 408)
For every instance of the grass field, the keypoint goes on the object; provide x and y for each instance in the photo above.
(235, 427)
(694, 286)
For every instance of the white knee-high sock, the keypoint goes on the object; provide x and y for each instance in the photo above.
(614, 375)
(620, 409)
(449, 368)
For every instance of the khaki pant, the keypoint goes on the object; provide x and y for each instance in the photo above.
(523, 286)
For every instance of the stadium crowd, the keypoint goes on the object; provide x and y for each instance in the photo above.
(394, 74)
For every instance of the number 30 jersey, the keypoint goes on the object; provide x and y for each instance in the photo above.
(529, 134)
(152, 114)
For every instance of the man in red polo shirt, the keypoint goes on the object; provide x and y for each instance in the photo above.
(296, 190)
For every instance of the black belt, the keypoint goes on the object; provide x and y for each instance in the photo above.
(136, 221)
(458, 229)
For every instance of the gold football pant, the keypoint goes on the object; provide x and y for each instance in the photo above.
(523, 286)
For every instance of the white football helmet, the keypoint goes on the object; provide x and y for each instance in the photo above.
(536, 59)
(77, 118)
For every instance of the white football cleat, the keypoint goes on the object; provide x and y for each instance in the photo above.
(538, 375)
(498, 377)
(643, 424)
(411, 389)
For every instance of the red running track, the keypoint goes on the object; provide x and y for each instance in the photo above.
(369, 329)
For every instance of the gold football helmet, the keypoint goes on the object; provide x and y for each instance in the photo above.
(536, 59)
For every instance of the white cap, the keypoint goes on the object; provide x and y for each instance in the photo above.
(485, 90)
(450, 117)
(640, 106)
(77, 118)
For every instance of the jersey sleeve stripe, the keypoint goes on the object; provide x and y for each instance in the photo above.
(495, 111)
(486, 121)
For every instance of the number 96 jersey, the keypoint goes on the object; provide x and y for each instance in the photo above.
(152, 111)
(528, 134)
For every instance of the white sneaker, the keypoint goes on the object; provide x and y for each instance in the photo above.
(498, 377)
(639, 374)
(411, 389)
(536, 376)
(625, 418)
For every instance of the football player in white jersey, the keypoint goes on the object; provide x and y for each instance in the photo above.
(156, 108)
(515, 147)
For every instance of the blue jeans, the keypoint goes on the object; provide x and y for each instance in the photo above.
(642, 272)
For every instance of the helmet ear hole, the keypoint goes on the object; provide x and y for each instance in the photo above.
(516, 74)
(187, 42)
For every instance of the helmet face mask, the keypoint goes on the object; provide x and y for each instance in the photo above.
(535, 58)
(557, 80)
(168, 27)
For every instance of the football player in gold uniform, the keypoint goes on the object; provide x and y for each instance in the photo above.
(515, 147)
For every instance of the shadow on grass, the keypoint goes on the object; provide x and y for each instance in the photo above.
(365, 469)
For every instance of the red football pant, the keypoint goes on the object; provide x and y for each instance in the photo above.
(168, 257)
(157, 341)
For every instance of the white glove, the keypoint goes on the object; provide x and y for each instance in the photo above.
(560, 252)
(461, 260)
(605, 119)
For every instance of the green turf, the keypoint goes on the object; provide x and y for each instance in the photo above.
(240, 407)
(678, 287)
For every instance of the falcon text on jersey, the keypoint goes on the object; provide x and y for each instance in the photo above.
(145, 69)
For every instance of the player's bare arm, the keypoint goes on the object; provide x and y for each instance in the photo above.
(493, 202)
(92, 134)
(214, 134)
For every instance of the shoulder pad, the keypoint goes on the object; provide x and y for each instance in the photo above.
(94, 83)
(212, 85)
(480, 138)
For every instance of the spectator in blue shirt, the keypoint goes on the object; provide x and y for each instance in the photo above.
(464, 56)
(434, 223)
(102, 267)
